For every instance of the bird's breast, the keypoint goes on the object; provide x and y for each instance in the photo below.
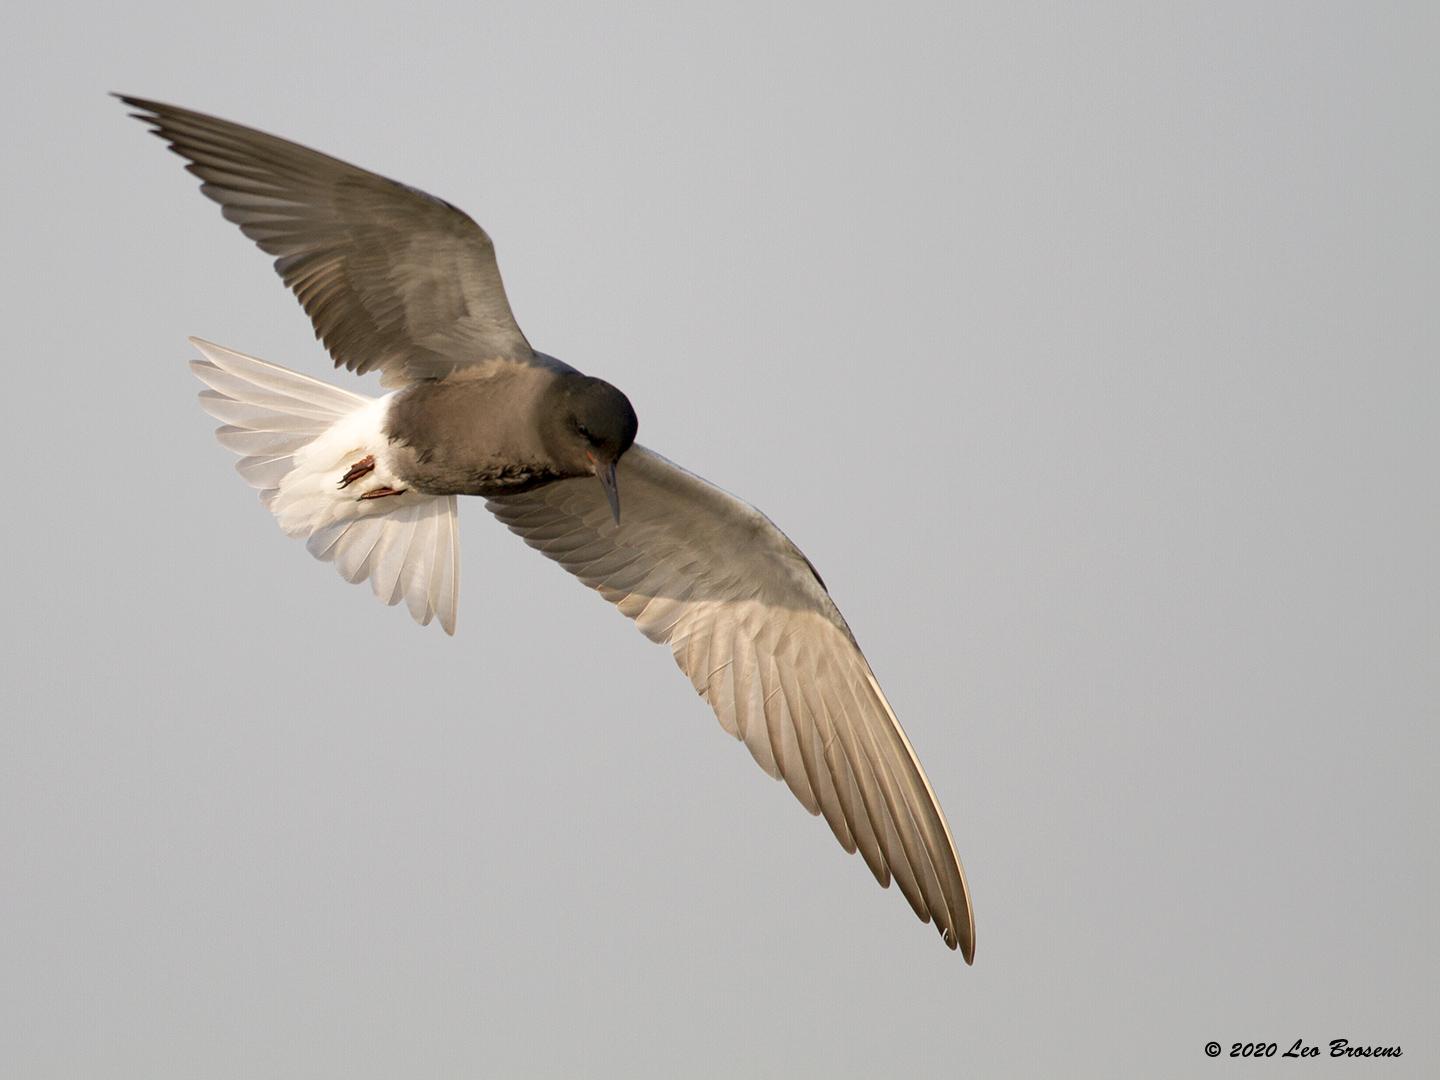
(473, 436)
(438, 472)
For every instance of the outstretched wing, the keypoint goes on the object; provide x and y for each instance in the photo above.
(752, 626)
(392, 278)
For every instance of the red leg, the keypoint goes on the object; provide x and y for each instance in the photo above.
(363, 467)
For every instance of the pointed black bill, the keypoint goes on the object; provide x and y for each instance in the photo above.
(605, 472)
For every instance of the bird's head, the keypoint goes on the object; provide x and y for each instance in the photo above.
(591, 430)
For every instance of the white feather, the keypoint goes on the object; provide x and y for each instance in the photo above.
(298, 437)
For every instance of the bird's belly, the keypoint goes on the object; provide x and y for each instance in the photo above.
(486, 478)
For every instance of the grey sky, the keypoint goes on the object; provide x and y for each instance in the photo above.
(1090, 355)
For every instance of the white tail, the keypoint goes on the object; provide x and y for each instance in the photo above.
(320, 458)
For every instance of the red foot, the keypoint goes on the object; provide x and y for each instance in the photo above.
(382, 492)
(363, 467)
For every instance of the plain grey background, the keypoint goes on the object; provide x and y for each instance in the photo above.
(1089, 351)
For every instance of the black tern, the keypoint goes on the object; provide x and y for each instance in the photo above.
(400, 282)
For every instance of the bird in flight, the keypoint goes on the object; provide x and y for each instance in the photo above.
(400, 282)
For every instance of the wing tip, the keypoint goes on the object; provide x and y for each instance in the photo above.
(151, 111)
(146, 111)
(964, 943)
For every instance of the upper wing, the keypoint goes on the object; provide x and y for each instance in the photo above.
(750, 623)
(391, 277)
